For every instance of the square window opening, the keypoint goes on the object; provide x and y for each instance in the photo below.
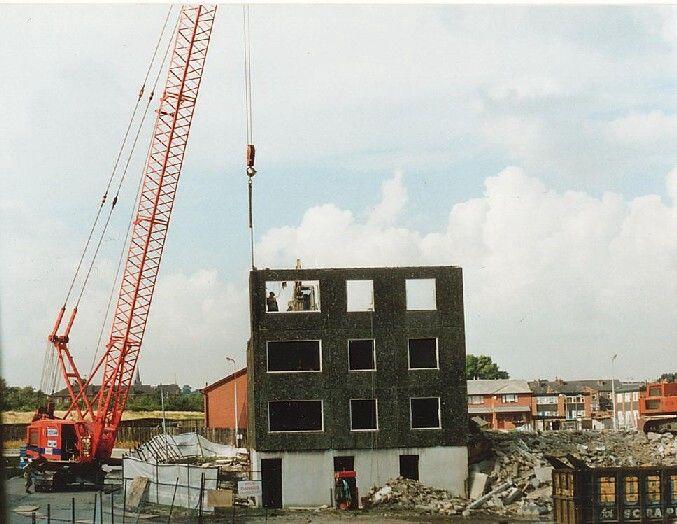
(344, 463)
(360, 295)
(295, 415)
(300, 296)
(361, 355)
(409, 467)
(293, 356)
(421, 294)
(363, 415)
(511, 397)
(425, 413)
(423, 353)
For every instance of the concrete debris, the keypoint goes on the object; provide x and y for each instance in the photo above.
(479, 482)
(515, 480)
(411, 494)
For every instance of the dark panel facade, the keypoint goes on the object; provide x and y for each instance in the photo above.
(393, 384)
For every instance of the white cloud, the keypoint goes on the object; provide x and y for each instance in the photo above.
(654, 129)
(552, 279)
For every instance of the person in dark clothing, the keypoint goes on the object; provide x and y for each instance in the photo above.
(31, 468)
(271, 302)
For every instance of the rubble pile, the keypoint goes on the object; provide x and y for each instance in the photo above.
(595, 448)
(515, 478)
(411, 494)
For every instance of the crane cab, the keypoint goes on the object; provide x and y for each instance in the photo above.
(56, 440)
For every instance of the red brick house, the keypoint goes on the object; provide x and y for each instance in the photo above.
(220, 404)
(504, 404)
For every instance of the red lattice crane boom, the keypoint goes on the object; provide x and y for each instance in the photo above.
(94, 421)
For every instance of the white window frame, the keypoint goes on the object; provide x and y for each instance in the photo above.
(297, 430)
(295, 371)
(373, 350)
(350, 409)
(471, 397)
(318, 299)
(437, 353)
(505, 396)
(373, 300)
(439, 413)
(406, 294)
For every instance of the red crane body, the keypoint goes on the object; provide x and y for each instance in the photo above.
(86, 434)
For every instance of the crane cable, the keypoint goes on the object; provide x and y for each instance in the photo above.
(251, 151)
(117, 159)
(129, 229)
(124, 172)
(50, 371)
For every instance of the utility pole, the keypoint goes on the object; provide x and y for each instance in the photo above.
(235, 417)
(613, 391)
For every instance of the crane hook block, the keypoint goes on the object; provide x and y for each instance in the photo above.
(251, 151)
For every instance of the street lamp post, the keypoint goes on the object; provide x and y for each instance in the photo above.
(235, 415)
(613, 392)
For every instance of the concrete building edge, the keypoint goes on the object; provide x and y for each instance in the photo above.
(308, 476)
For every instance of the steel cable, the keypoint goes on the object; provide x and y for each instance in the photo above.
(117, 160)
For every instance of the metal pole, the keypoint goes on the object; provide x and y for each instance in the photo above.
(49, 514)
(124, 493)
(176, 485)
(101, 506)
(235, 411)
(202, 485)
(33, 517)
(94, 517)
(613, 392)
(73, 510)
(112, 508)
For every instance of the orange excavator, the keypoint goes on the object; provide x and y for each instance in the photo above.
(658, 408)
(72, 448)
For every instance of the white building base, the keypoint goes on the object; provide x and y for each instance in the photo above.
(308, 476)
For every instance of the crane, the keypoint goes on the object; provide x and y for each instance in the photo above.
(74, 447)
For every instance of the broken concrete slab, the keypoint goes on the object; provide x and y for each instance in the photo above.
(478, 484)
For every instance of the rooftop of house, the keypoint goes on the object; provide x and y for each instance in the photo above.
(545, 387)
(224, 380)
(497, 387)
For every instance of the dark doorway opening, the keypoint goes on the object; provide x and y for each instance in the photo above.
(271, 483)
(409, 466)
(344, 463)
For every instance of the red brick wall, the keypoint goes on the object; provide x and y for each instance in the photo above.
(219, 404)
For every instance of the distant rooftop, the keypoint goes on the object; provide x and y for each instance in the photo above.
(497, 387)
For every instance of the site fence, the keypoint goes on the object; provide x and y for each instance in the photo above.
(132, 436)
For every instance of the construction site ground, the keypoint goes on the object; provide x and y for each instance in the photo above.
(60, 505)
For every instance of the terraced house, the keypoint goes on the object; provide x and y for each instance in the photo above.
(358, 369)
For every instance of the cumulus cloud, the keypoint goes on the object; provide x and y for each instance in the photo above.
(552, 279)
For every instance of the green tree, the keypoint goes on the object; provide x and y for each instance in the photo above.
(482, 367)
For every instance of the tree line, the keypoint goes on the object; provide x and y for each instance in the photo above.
(27, 398)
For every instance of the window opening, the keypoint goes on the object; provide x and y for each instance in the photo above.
(421, 294)
(361, 355)
(425, 413)
(295, 415)
(294, 356)
(423, 353)
(363, 415)
(360, 295)
(300, 296)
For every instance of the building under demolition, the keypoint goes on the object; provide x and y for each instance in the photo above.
(357, 369)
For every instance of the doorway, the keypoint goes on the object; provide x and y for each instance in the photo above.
(409, 466)
(271, 483)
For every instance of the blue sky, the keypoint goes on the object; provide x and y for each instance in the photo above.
(405, 123)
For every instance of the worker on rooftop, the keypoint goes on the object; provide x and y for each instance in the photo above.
(271, 302)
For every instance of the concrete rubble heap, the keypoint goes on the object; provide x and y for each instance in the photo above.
(516, 479)
(411, 494)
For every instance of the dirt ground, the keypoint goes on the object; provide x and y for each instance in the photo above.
(24, 417)
(60, 507)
